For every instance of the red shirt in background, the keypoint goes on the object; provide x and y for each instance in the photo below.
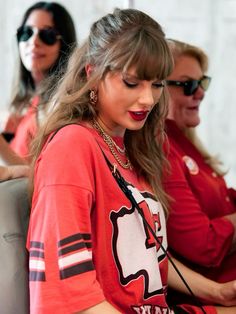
(196, 229)
(26, 130)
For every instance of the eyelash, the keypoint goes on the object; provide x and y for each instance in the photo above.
(133, 85)
(159, 85)
(130, 85)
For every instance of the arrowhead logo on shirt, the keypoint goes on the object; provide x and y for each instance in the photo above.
(191, 165)
(135, 250)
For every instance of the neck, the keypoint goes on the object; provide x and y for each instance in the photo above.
(37, 76)
(182, 128)
(111, 131)
(114, 148)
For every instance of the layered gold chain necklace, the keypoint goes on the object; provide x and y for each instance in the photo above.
(112, 145)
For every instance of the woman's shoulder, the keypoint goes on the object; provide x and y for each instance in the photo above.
(72, 132)
(71, 137)
(172, 148)
(68, 146)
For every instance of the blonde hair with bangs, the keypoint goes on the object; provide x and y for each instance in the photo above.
(127, 38)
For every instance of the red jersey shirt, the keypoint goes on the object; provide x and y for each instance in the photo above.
(86, 242)
(196, 228)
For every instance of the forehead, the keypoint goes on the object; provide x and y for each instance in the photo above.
(40, 18)
(186, 67)
(133, 72)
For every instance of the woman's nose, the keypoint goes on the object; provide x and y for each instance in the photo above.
(200, 93)
(146, 97)
(34, 39)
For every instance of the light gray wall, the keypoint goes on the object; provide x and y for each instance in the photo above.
(211, 24)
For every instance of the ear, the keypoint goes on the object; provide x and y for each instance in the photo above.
(89, 69)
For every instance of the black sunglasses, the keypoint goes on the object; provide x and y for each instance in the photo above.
(48, 36)
(191, 86)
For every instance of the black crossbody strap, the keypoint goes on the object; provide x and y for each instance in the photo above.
(123, 186)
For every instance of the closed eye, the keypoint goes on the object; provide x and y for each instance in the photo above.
(159, 84)
(129, 84)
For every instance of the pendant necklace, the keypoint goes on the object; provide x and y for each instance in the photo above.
(112, 145)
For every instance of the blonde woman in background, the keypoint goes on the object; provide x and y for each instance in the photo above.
(201, 226)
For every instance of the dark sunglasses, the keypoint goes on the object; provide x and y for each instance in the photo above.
(48, 36)
(191, 86)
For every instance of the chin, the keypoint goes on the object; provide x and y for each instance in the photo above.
(136, 127)
(194, 123)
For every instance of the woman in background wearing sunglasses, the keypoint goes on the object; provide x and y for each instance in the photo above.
(45, 39)
(202, 220)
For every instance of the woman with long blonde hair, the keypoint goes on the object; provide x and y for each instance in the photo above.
(91, 250)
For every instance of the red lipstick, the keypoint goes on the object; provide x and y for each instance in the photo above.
(138, 115)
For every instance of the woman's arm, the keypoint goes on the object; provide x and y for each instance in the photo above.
(202, 287)
(8, 156)
(188, 222)
(232, 219)
(12, 172)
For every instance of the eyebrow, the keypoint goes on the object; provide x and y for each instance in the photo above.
(130, 75)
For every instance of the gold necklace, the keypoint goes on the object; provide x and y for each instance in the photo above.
(111, 144)
(118, 148)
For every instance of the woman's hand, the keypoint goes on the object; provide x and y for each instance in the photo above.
(209, 291)
(226, 293)
(12, 172)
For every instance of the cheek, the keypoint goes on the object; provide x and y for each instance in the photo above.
(25, 59)
(180, 109)
(53, 53)
(176, 108)
(107, 93)
(157, 95)
(22, 48)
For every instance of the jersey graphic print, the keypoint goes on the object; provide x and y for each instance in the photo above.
(135, 250)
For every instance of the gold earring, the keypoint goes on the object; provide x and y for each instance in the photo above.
(93, 97)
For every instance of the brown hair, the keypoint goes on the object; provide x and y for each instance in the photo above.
(118, 42)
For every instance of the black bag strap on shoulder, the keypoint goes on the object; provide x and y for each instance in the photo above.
(61, 127)
(123, 186)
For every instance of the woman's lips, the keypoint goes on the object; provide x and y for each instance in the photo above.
(35, 55)
(193, 108)
(138, 115)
